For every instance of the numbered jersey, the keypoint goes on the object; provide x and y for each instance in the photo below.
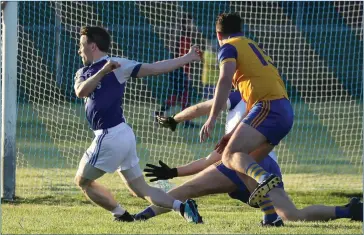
(256, 77)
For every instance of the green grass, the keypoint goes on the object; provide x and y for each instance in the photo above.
(320, 160)
(61, 209)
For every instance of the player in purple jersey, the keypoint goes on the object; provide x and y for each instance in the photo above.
(102, 83)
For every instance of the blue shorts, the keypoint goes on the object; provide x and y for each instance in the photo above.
(272, 118)
(242, 193)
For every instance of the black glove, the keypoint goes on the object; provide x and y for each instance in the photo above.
(167, 122)
(162, 172)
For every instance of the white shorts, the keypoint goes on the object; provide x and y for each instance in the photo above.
(113, 149)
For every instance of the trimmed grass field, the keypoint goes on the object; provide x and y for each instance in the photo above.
(320, 160)
(60, 210)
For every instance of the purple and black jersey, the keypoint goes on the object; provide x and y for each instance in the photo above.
(104, 105)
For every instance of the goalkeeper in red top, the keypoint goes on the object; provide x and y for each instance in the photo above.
(182, 84)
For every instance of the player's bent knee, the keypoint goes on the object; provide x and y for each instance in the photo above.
(81, 182)
(227, 160)
(77, 180)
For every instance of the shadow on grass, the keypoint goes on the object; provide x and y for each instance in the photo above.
(50, 200)
(347, 194)
(322, 224)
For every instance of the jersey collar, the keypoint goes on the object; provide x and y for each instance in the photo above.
(240, 34)
(102, 58)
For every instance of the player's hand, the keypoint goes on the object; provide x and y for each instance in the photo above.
(167, 122)
(223, 142)
(195, 53)
(162, 172)
(110, 66)
(207, 129)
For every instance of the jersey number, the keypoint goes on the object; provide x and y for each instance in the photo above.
(261, 57)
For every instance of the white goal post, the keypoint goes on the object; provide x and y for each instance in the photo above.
(9, 99)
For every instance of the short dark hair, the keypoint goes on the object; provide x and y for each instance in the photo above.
(228, 23)
(98, 35)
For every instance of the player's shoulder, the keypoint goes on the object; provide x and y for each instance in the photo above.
(80, 71)
(226, 47)
(117, 58)
(227, 51)
(122, 60)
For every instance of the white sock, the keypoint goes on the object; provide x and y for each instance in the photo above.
(177, 205)
(118, 210)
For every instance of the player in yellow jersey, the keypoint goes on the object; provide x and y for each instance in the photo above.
(269, 116)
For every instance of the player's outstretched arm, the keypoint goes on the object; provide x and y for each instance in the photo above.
(189, 113)
(164, 172)
(194, 111)
(166, 66)
(198, 165)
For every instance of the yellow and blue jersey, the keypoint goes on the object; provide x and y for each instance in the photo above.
(256, 77)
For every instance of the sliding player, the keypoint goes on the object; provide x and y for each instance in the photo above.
(216, 178)
(218, 172)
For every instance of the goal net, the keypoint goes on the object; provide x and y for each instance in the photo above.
(318, 47)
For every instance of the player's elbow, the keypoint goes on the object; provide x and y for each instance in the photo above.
(78, 94)
(81, 93)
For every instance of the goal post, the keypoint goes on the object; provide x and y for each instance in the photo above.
(9, 99)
